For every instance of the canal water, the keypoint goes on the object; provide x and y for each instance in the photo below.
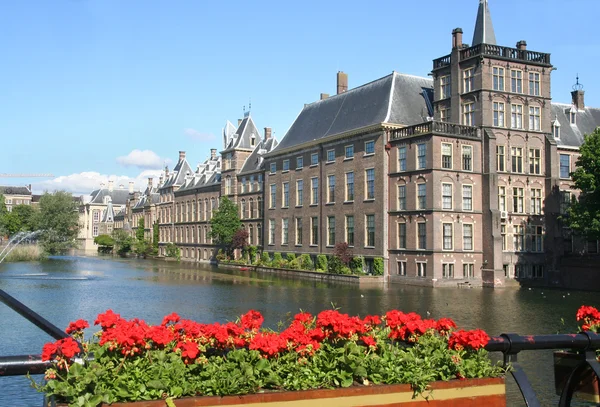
(68, 288)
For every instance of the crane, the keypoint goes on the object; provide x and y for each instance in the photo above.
(4, 175)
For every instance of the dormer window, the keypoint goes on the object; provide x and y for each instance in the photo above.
(573, 115)
(556, 129)
(253, 140)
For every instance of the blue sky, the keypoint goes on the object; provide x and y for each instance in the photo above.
(87, 82)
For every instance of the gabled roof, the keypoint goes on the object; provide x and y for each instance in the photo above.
(118, 196)
(177, 176)
(484, 29)
(109, 213)
(9, 190)
(395, 98)
(254, 162)
(208, 173)
(228, 132)
(243, 135)
(586, 122)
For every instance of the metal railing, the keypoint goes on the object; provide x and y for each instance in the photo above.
(435, 127)
(490, 50)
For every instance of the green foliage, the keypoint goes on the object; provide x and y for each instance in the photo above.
(222, 256)
(278, 261)
(321, 263)
(105, 243)
(143, 248)
(173, 251)
(252, 252)
(3, 209)
(584, 213)
(335, 266)
(343, 252)
(306, 262)
(22, 218)
(140, 230)
(225, 223)
(378, 266)
(59, 222)
(357, 265)
(290, 257)
(123, 242)
(294, 264)
(155, 238)
(265, 260)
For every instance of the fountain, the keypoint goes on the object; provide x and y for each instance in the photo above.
(15, 240)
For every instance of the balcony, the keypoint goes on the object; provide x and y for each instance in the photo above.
(441, 128)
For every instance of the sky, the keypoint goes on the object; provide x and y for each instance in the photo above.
(94, 90)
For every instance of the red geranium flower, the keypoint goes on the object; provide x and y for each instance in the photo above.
(108, 319)
(77, 326)
(172, 317)
(252, 320)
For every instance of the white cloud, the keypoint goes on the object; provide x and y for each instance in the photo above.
(146, 159)
(199, 136)
(84, 183)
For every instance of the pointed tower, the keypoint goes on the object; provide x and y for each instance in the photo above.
(484, 29)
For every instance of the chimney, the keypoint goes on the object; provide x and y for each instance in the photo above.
(160, 180)
(181, 155)
(457, 37)
(111, 184)
(213, 154)
(342, 82)
(150, 183)
(121, 186)
(166, 171)
(29, 187)
(267, 133)
(324, 96)
(578, 99)
(131, 187)
(522, 45)
(239, 122)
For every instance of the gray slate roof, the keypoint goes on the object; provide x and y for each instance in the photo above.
(254, 162)
(241, 138)
(9, 190)
(177, 176)
(571, 135)
(208, 173)
(109, 213)
(118, 196)
(484, 29)
(396, 98)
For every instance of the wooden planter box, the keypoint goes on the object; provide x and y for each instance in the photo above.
(463, 393)
(588, 388)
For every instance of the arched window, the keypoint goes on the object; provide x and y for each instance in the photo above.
(251, 234)
(206, 209)
(260, 207)
(200, 210)
(251, 204)
(243, 209)
(228, 185)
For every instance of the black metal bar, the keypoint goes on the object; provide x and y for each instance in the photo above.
(22, 364)
(527, 392)
(515, 343)
(32, 316)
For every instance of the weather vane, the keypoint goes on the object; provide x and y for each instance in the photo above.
(578, 86)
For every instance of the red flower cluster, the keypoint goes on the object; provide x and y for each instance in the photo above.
(77, 326)
(474, 340)
(61, 349)
(590, 317)
(408, 327)
(341, 326)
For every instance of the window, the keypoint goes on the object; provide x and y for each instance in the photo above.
(96, 213)
(500, 158)
(516, 116)
(445, 114)
(286, 195)
(498, 78)
(573, 115)
(350, 230)
(299, 192)
(252, 212)
(565, 166)
(467, 197)
(498, 108)
(94, 230)
(537, 271)
(369, 147)
(421, 236)
(273, 168)
(535, 166)
(402, 235)
(314, 159)
(556, 130)
(468, 114)
(370, 231)
(421, 196)
(370, 180)
(314, 191)
(421, 269)
(447, 270)
(273, 196)
(503, 235)
(401, 158)
(244, 185)
(299, 163)
(260, 182)
(314, 228)
(445, 88)
(446, 196)
(518, 238)
(228, 185)
(517, 159)
(401, 197)
(299, 231)
(421, 156)
(250, 235)
(534, 118)
(565, 201)
(467, 158)
(243, 209)
(534, 83)
(286, 165)
(271, 231)
(349, 186)
(468, 270)
(468, 80)
(447, 156)
(467, 236)
(402, 268)
(284, 230)
(516, 81)
(349, 152)
(331, 230)
(331, 188)
(259, 206)
(447, 236)
(535, 239)
(518, 200)
(330, 156)
(502, 199)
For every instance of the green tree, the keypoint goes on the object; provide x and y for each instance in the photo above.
(22, 218)
(58, 219)
(173, 251)
(3, 212)
(139, 232)
(123, 241)
(105, 243)
(155, 238)
(583, 216)
(225, 223)
(142, 246)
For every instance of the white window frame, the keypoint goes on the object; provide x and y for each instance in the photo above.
(466, 242)
(445, 196)
(498, 78)
(516, 81)
(367, 143)
(447, 247)
(445, 87)
(446, 146)
(469, 207)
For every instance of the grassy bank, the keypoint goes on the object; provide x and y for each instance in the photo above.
(25, 253)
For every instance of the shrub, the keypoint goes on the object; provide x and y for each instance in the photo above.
(173, 251)
(306, 262)
(294, 264)
(357, 265)
(343, 252)
(290, 257)
(221, 256)
(321, 262)
(25, 253)
(252, 251)
(278, 260)
(334, 265)
(265, 260)
(378, 266)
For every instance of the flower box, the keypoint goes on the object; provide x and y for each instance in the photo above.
(464, 393)
(588, 387)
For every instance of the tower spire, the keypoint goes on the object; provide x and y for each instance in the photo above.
(484, 29)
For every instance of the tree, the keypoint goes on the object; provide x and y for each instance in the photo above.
(3, 212)
(123, 242)
(343, 252)
(225, 223)
(58, 219)
(155, 238)
(583, 216)
(240, 240)
(105, 243)
(142, 246)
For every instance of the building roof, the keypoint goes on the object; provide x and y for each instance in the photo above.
(254, 162)
(228, 132)
(109, 213)
(484, 29)
(10, 190)
(395, 98)
(208, 173)
(586, 122)
(117, 196)
(243, 135)
(177, 176)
